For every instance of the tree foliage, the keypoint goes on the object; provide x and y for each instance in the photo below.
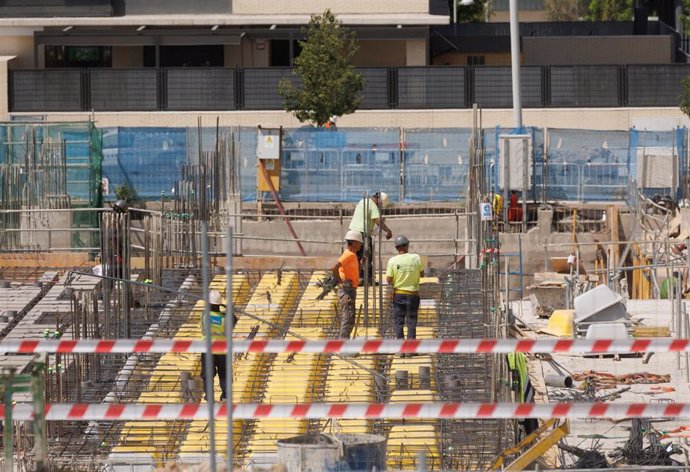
(469, 13)
(330, 85)
(685, 97)
(686, 15)
(564, 10)
(610, 10)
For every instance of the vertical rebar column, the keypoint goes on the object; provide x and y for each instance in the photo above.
(366, 259)
(8, 374)
(229, 327)
(381, 320)
(39, 421)
(208, 361)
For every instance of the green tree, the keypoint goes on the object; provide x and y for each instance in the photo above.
(477, 12)
(330, 85)
(685, 97)
(610, 10)
(564, 10)
(686, 15)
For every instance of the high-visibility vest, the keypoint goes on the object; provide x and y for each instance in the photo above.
(217, 326)
(517, 363)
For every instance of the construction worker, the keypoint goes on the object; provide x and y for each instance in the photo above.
(522, 386)
(217, 330)
(346, 273)
(403, 273)
(364, 220)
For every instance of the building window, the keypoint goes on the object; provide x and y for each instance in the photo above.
(283, 52)
(78, 56)
(211, 55)
(475, 60)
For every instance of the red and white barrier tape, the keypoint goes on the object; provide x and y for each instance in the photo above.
(244, 411)
(340, 346)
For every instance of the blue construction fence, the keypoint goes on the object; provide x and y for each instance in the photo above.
(81, 146)
(411, 165)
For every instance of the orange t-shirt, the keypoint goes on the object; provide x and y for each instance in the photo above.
(349, 267)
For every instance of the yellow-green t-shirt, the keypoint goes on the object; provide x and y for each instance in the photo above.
(405, 270)
(357, 223)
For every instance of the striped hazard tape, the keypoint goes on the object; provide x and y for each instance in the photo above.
(340, 346)
(192, 411)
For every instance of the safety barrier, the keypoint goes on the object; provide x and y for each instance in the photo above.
(340, 346)
(411, 165)
(436, 410)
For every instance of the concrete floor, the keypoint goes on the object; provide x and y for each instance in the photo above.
(649, 313)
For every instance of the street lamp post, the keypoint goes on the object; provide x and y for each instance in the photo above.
(515, 62)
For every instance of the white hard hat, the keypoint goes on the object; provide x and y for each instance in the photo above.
(383, 198)
(353, 235)
(214, 297)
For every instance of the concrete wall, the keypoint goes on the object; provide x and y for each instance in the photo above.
(596, 50)
(4, 102)
(583, 118)
(417, 52)
(128, 57)
(423, 228)
(18, 42)
(524, 16)
(254, 53)
(171, 7)
(295, 7)
(381, 53)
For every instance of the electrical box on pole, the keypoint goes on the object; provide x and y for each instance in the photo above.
(268, 147)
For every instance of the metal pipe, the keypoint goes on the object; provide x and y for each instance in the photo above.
(515, 62)
(229, 327)
(564, 381)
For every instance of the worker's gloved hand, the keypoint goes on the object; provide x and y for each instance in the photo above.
(366, 254)
(389, 234)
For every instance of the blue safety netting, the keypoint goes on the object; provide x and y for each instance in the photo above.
(82, 154)
(339, 165)
(435, 164)
(148, 159)
(245, 144)
(412, 165)
(654, 143)
(586, 165)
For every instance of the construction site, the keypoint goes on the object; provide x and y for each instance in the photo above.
(549, 236)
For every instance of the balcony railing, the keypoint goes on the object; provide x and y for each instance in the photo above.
(199, 89)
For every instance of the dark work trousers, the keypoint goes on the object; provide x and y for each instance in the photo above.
(347, 296)
(219, 368)
(405, 308)
(370, 260)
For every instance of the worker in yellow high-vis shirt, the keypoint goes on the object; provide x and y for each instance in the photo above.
(217, 329)
(403, 272)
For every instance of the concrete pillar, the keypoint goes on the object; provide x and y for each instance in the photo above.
(416, 52)
(544, 221)
(4, 84)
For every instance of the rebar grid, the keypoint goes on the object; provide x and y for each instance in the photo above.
(463, 313)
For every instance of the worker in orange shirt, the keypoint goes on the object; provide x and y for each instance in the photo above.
(346, 273)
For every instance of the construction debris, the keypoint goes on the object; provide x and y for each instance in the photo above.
(601, 380)
(586, 458)
(634, 452)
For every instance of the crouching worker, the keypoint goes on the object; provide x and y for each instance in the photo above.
(217, 330)
(346, 272)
